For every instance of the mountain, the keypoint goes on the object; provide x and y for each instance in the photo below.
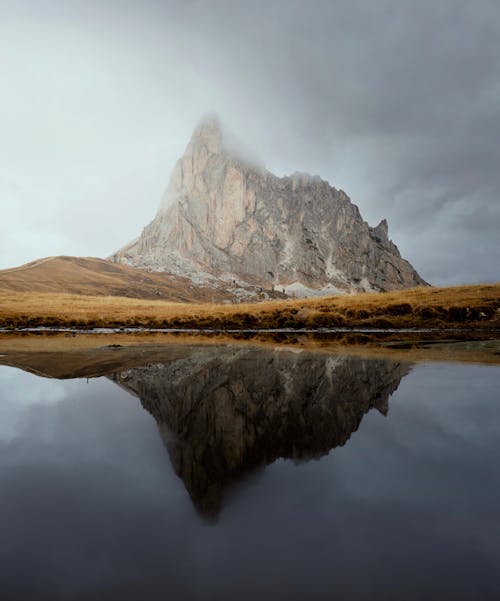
(77, 275)
(223, 218)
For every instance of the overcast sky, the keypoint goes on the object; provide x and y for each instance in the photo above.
(396, 102)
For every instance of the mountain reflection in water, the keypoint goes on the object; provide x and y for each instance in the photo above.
(223, 411)
(92, 506)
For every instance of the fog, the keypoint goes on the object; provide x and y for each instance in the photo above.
(397, 103)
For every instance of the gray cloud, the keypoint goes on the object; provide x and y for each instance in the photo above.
(398, 103)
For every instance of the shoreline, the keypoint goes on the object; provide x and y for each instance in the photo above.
(256, 331)
(87, 355)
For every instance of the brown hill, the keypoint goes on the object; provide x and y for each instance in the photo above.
(89, 276)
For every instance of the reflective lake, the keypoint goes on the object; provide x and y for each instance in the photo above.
(226, 472)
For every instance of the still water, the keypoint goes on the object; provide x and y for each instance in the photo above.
(239, 473)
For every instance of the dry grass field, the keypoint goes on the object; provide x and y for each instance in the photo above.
(97, 277)
(462, 306)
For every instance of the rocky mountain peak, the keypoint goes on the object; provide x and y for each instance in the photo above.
(207, 136)
(381, 231)
(224, 220)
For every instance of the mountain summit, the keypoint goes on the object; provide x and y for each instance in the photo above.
(224, 219)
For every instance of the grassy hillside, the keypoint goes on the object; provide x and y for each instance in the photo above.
(461, 306)
(96, 277)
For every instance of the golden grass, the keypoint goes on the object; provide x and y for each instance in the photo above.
(97, 277)
(476, 305)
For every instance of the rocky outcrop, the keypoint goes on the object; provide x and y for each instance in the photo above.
(223, 411)
(225, 219)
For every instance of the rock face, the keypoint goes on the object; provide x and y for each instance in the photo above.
(223, 218)
(225, 411)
